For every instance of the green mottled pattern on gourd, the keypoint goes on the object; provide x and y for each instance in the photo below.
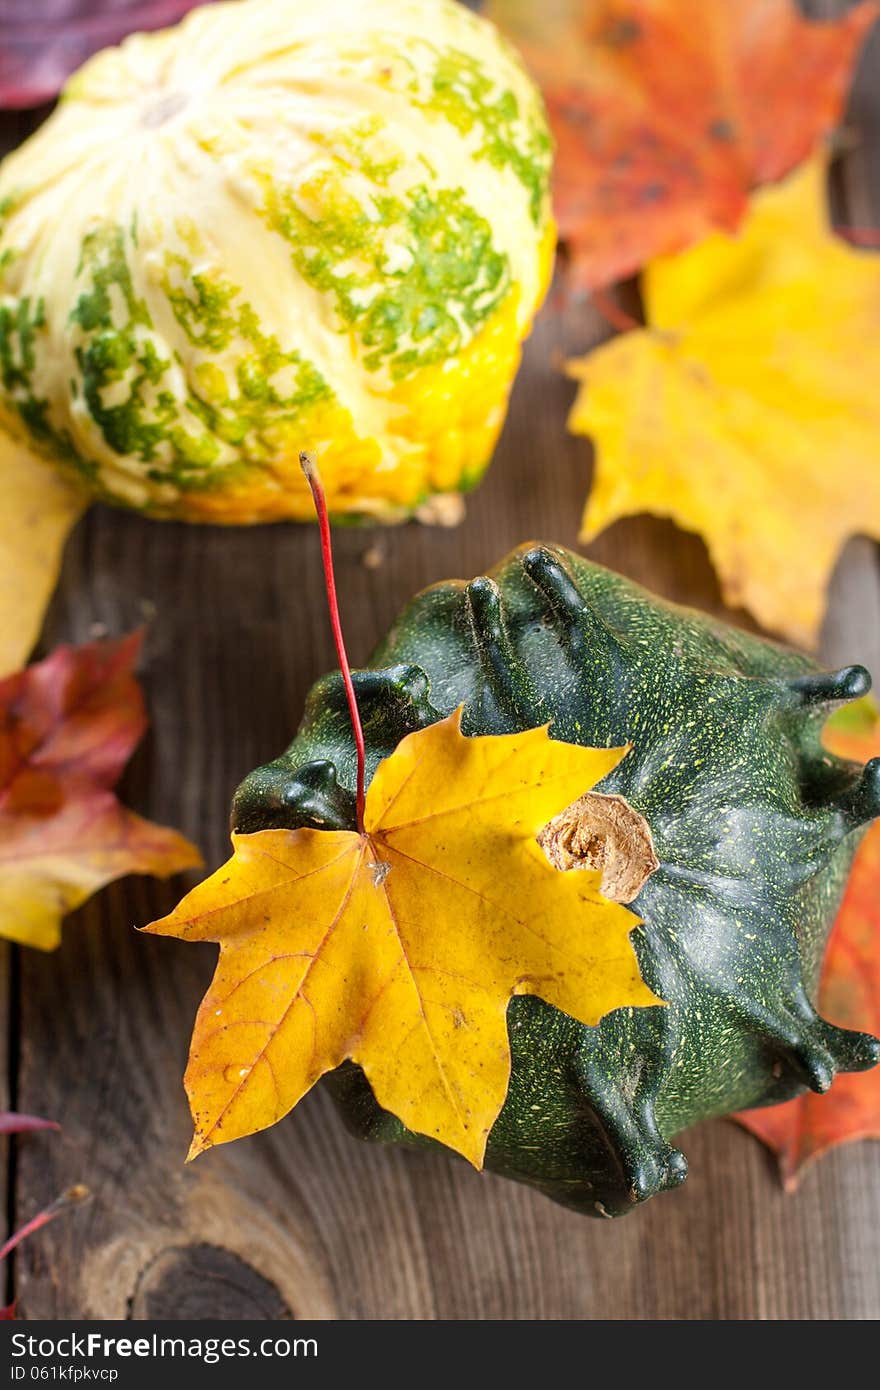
(753, 822)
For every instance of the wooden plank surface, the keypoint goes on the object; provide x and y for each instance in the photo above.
(303, 1220)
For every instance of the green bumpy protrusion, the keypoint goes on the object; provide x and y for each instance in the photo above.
(753, 823)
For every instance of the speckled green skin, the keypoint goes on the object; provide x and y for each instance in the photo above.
(754, 825)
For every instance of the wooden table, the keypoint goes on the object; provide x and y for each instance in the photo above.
(304, 1221)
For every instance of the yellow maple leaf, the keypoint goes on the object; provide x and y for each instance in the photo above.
(400, 948)
(748, 409)
(39, 509)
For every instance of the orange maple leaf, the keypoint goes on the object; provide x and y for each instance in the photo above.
(666, 112)
(68, 726)
(805, 1128)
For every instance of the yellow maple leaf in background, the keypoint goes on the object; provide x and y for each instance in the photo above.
(748, 410)
(39, 510)
(400, 948)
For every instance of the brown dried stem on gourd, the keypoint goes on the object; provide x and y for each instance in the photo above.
(603, 833)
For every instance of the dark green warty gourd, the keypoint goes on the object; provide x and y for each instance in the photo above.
(753, 822)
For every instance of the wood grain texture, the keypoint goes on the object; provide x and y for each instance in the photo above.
(302, 1220)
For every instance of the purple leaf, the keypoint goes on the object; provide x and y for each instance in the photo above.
(10, 1123)
(43, 41)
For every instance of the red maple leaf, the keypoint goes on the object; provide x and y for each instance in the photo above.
(666, 112)
(68, 726)
(849, 993)
(11, 1123)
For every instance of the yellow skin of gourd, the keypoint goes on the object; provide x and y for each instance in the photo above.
(277, 227)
